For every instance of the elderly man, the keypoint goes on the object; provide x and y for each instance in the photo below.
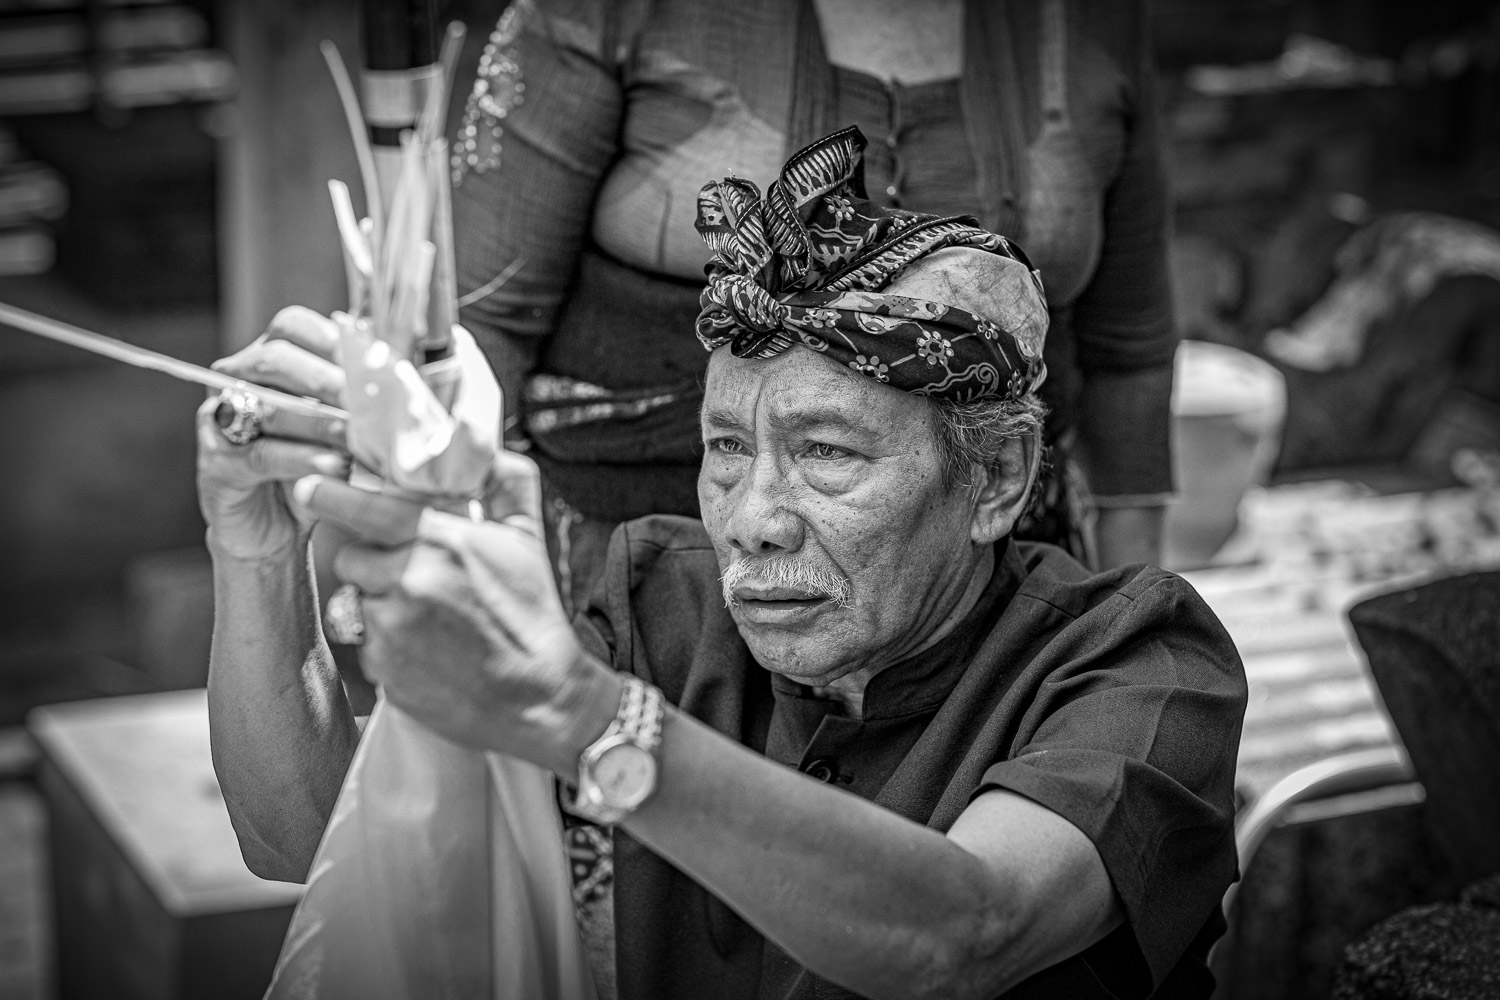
(852, 740)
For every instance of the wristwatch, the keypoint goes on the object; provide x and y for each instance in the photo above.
(617, 772)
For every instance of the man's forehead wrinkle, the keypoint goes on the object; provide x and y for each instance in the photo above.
(731, 393)
(824, 397)
(818, 416)
(718, 415)
(800, 391)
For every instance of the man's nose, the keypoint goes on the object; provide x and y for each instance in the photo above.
(761, 521)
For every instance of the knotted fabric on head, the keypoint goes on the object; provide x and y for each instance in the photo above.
(804, 266)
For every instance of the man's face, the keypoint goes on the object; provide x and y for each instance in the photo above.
(834, 481)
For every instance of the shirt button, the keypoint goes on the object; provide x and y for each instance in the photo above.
(821, 770)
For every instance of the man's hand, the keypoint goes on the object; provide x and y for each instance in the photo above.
(240, 487)
(463, 625)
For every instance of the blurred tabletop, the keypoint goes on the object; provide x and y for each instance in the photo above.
(141, 764)
(1304, 554)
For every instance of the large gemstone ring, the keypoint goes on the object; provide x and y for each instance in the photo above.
(239, 415)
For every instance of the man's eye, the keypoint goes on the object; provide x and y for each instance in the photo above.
(826, 451)
(726, 446)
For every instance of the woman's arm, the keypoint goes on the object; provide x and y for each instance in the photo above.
(1126, 332)
(1125, 535)
(540, 129)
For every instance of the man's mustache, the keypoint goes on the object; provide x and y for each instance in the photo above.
(766, 574)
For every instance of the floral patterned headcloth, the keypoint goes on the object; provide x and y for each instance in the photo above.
(804, 266)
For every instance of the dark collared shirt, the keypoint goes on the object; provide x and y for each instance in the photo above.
(1113, 700)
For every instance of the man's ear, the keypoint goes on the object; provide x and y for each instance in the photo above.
(1006, 488)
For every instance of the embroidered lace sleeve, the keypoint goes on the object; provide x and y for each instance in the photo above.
(538, 132)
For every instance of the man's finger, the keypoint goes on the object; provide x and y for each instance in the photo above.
(514, 488)
(308, 329)
(284, 365)
(278, 423)
(375, 571)
(330, 431)
(374, 517)
(268, 459)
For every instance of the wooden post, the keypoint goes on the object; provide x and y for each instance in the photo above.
(279, 243)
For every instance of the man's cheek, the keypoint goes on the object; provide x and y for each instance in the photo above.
(714, 510)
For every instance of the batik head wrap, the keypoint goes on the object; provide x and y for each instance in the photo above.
(804, 266)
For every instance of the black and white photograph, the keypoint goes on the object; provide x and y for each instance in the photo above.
(749, 499)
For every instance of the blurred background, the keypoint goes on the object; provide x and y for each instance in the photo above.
(162, 170)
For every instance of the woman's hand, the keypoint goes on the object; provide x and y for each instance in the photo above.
(242, 489)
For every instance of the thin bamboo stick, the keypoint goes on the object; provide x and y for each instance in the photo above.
(374, 206)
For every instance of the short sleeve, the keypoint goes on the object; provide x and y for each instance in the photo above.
(539, 131)
(1123, 321)
(1134, 742)
(656, 609)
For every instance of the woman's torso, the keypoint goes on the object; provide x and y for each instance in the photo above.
(1028, 138)
(692, 115)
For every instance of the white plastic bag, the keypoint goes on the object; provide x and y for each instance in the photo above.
(442, 874)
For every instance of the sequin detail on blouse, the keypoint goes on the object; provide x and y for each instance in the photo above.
(498, 90)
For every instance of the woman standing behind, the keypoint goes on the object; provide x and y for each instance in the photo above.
(593, 123)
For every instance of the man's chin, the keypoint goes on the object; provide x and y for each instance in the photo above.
(795, 646)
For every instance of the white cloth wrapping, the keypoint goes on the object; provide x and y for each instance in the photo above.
(441, 875)
(399, 429)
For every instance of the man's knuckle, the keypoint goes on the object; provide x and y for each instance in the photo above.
(289, 316)
(514, 465)
(526, 465)
(278, 356)
(256, 456)
(423, 578)
(441, 531)
(345, 563)
(210, 466)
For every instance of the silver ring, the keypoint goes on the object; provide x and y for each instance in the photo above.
(239, 415)
(344, 618)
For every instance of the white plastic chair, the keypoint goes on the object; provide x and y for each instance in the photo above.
(1345, 774)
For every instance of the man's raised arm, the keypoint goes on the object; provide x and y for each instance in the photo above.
(467, 635)
(281, 728)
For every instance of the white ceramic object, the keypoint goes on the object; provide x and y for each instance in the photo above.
(1228, 408)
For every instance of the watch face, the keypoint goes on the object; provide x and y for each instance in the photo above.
(625, 774)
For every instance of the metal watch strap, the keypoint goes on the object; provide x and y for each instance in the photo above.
(640, 713)
(638, 719)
